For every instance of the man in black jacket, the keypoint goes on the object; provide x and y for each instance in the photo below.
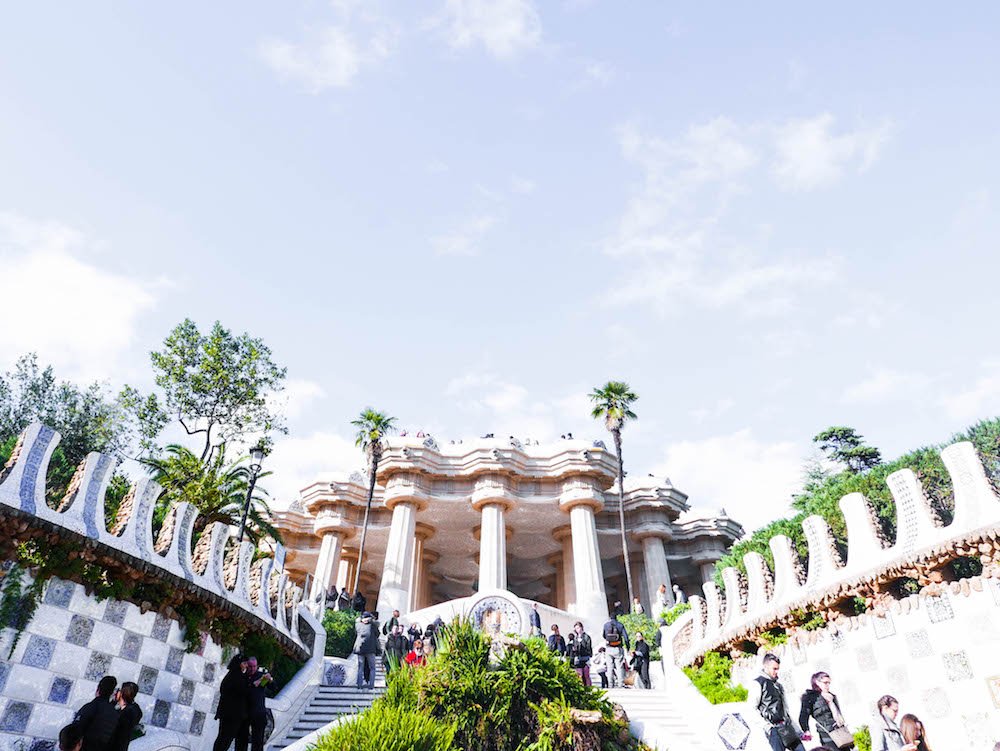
(391, 623)
(581, 649)
(257, 678)
(396, 647)
(234, 692)
(98, 719)
(358, 602)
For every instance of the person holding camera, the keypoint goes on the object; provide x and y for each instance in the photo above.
(129, 715)
(256, 722)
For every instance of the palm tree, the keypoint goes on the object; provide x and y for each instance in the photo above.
(613, 402)
(372, 427)
(216, 488)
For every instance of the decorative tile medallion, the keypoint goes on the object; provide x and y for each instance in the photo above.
(898, 675)
(977, 730)
(80, 629)
(38, 653)
(161, 627)
(208, 674)
(734, 731)
(131, 647)
(59, 593)
(936, 701)
(161, 714)
(15, 716)
(957, 666)
(98, 666)
(59, 691)
(115, 612)
(919, 643)
(175, 660)
(186, 695)
(939, 608)
(334, 675)
(866, 658)
(197, 723)
(147, 679)
(883, 626)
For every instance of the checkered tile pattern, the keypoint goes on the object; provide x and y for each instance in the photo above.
(73, 641)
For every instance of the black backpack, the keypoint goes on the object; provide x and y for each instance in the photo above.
(611, 634)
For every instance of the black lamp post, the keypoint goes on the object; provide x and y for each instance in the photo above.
(256, 458)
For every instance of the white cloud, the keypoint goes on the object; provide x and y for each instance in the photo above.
(981, 400)
(716, 410)
(74, 314)
(465, 240)
(504, 27)
(299, 394)
(598, 72)
(522, 185)
(810, 155)
(680, 232)
(886, 384)
(753, 480)
(296, 462)
(332, 56)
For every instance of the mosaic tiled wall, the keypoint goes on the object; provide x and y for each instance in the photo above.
(73, 640)
(940, 656)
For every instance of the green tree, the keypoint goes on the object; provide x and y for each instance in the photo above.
(845, 446)
(613, 403)
(372, 427)
(219, 385)
(216, 488)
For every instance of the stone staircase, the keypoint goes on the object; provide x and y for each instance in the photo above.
(659, 719)
(326, 704)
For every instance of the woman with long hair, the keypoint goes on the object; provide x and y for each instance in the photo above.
(886, 734)
(914, 732)
(821, 704)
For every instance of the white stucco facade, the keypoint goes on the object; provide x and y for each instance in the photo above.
(539, 521)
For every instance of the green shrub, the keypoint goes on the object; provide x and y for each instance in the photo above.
(714, 679)
(340, 632)
(863, 739)
(647, 627)
(385, 727)
(772, 637)
(513, 699)
(675, 612)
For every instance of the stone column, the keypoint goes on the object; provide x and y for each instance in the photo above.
(590, 601)
(567, 570)
(422, 532)
(558, 592)
(654, 559)
(427, 579)
(394, 592)
(707, 570)
(348, 565)
(329, 559)
(492, 546)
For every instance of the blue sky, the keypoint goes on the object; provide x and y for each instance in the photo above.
(767, 219)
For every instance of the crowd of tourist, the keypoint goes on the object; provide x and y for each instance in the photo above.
(105, 723)
(783, 731)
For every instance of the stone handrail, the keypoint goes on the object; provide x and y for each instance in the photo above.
(255, 591)
(765, 598)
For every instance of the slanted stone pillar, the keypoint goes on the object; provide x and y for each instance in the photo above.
(581, 501)
(345, 572)
(654, 559)
(707, 571)
(564, 536)
(558, 580)
(328, 560)
(427, 580)
(418, 571)
(397, 574)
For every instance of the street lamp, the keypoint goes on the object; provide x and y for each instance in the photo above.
(256, 459)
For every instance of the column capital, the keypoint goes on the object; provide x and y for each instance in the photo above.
(431, 557)
(424, 531)
(491, 499)
(561, 534)
(336, 525)
(418, 502)
(477, 532)
(643, 533)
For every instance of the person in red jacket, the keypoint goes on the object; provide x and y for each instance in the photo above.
(416, 655)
